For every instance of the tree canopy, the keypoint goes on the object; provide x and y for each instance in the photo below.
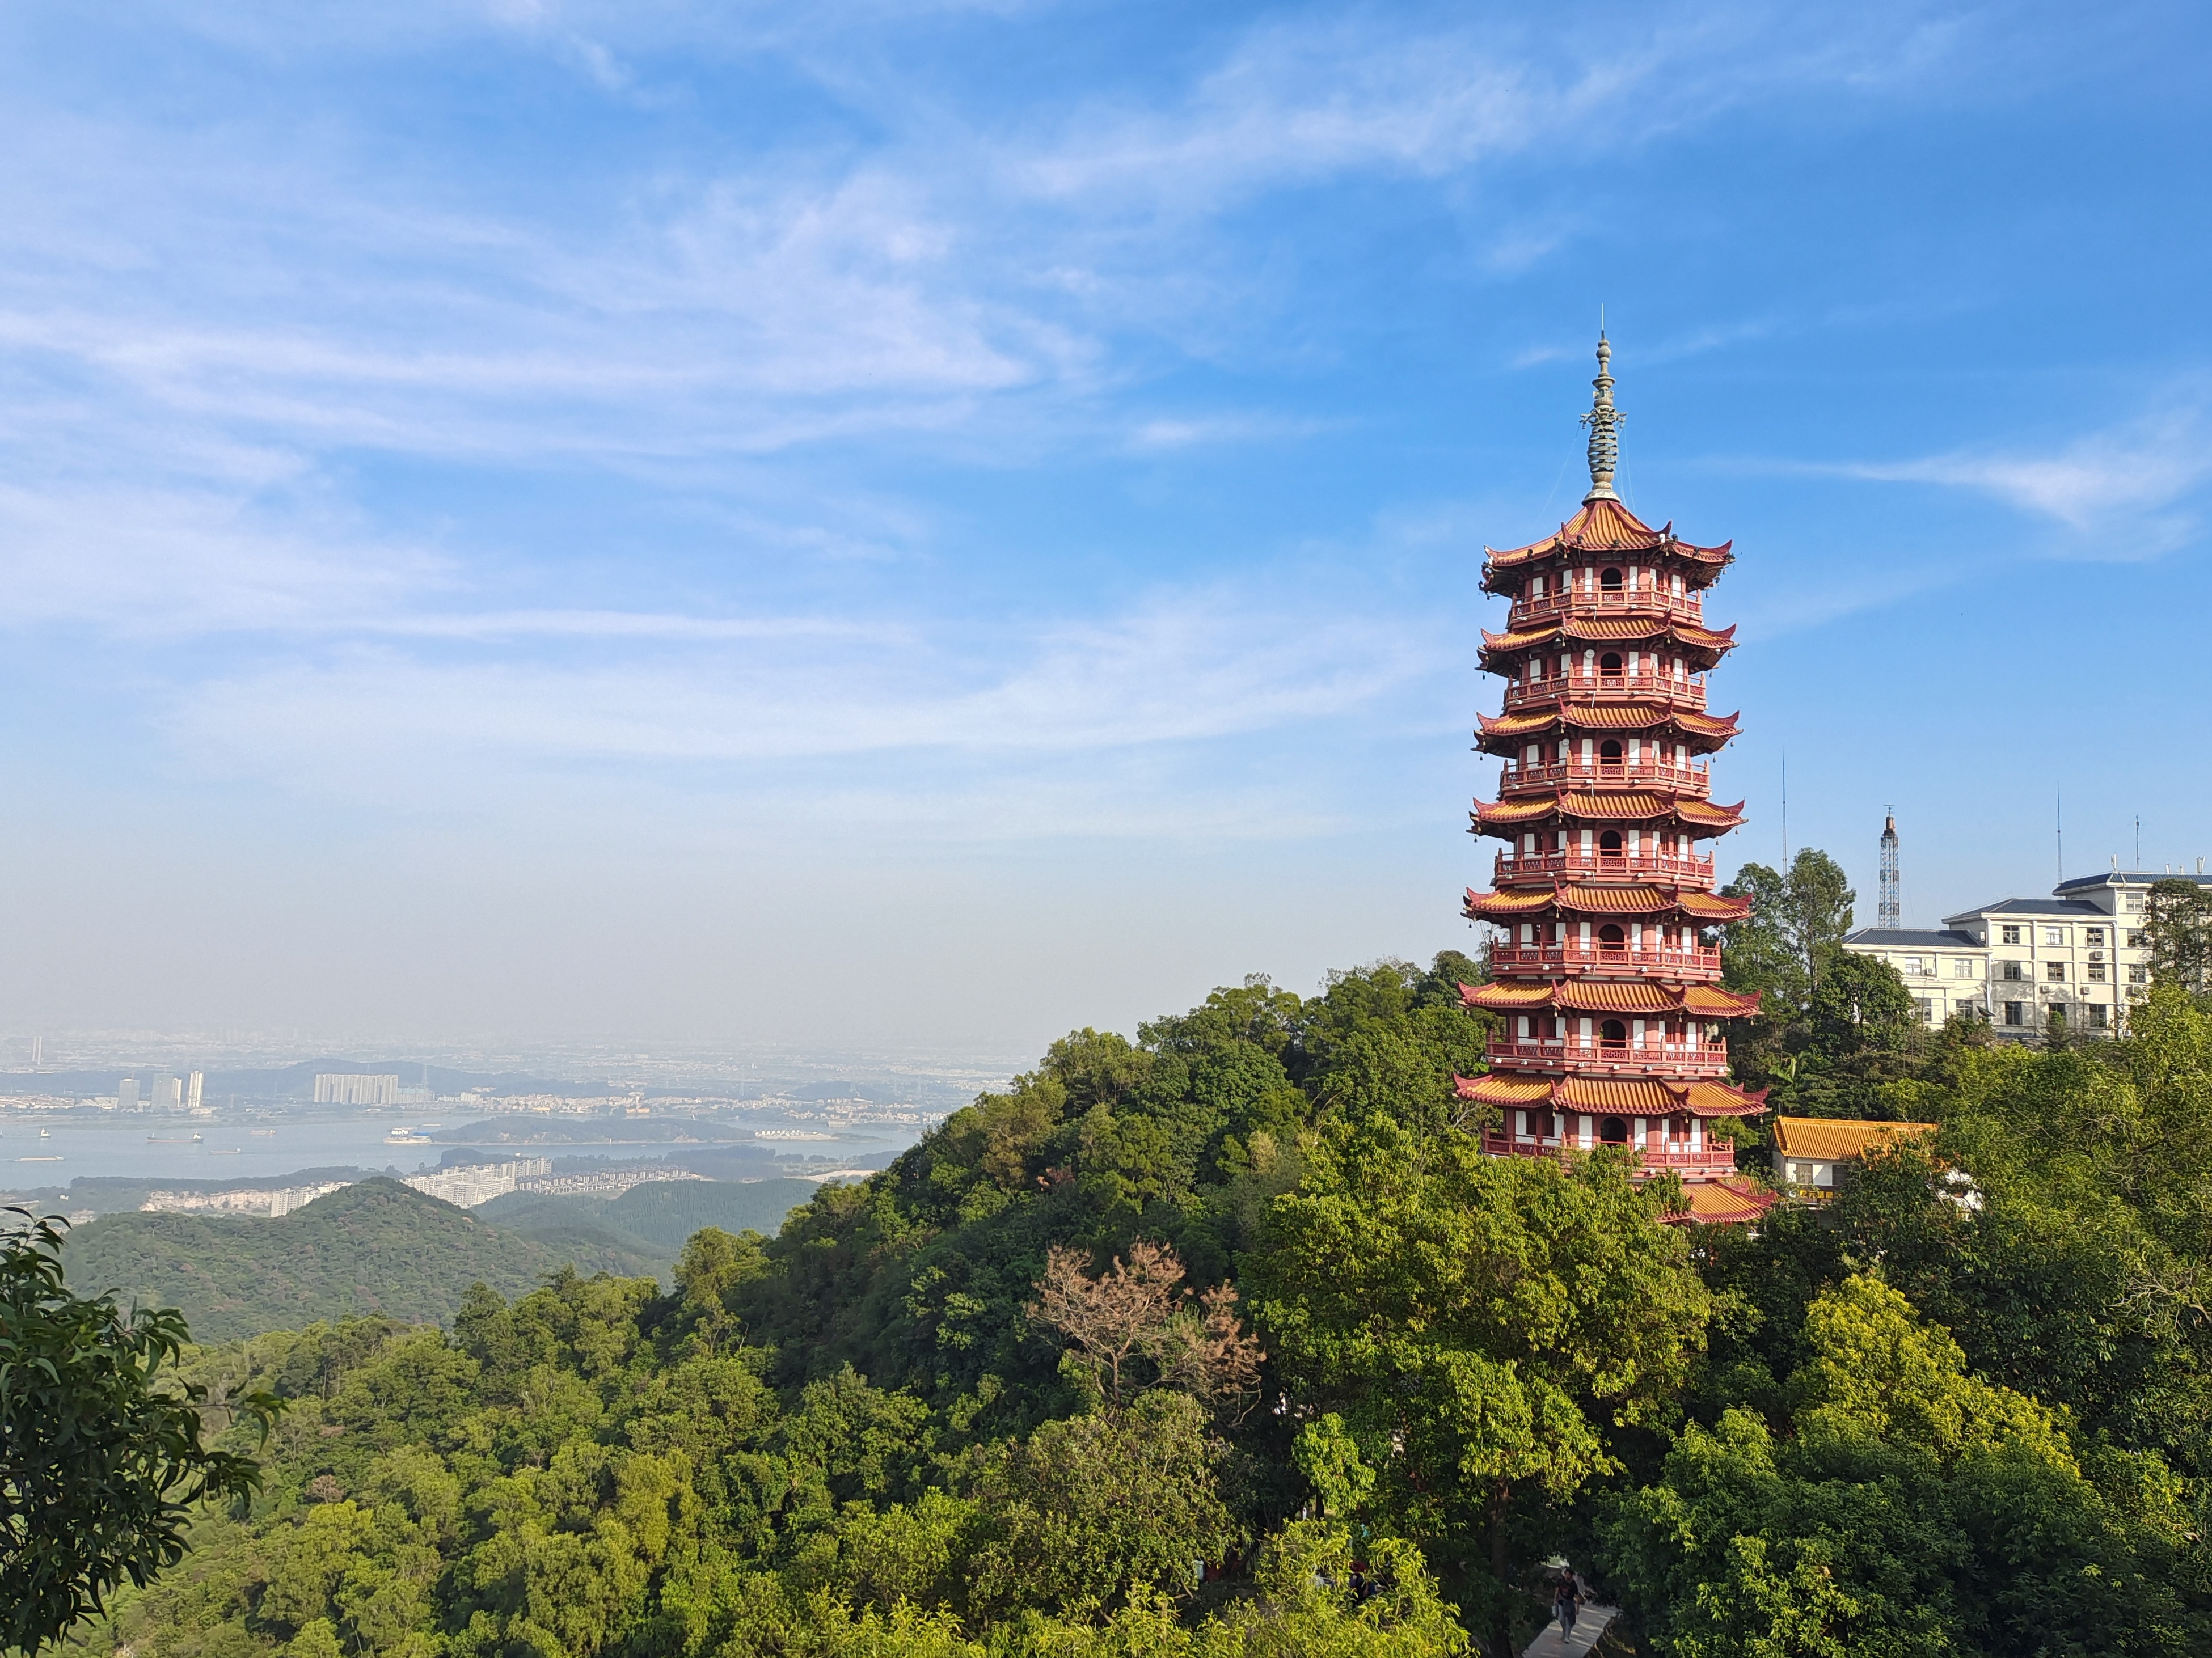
(102, 1454)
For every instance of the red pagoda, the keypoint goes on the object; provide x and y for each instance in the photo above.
(1609, 994)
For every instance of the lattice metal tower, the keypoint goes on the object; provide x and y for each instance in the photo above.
(1891, 907)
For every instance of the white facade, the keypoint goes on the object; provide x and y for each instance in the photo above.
(2081, 951)
(469, 1184)
(345, 1088)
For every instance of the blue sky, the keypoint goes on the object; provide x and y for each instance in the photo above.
(866, 523)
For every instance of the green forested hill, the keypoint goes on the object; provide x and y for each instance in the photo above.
(971, 1407)
(658, 1215)
(375, 1247)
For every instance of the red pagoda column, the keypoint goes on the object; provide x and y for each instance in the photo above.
(1607, 990)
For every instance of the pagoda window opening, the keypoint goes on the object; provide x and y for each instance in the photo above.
(1609, 663)
(1610, 582)
(1610, 937)
(1613, 1033)
(1609, 751)
(1613, 1132)
(1609, 843)
(1536, 586)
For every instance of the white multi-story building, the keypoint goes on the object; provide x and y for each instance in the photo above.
(2078, 953)
(347, 1088)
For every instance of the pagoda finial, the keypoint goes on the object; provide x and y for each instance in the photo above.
(1604, 422)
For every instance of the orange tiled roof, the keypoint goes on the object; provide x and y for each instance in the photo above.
(1709, 1099)
(1642, 1095)
(1709, 731)
(1506, 903)
(1514, 811)
(1830, 1138)
(1613, 630)
(1610, 996)
(1598, 996)
(1503, 1088)
(1607, 901)
(1707, 815)
(1606, 526)
(1723, 1203)
(1711, 1002)
(1712, 907)
(1621, 806)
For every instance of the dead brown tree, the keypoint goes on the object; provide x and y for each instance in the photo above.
(1135, 1326)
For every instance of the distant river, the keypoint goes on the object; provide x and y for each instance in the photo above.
(159, 1149)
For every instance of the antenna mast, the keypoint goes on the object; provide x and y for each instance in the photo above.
(1890, 912)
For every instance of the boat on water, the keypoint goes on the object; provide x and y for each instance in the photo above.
(221, 1151)
(260, 1131)
(174, 1140)
(45, 1133)
(52, 1159)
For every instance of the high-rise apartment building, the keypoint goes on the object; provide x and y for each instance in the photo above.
(348, 1088)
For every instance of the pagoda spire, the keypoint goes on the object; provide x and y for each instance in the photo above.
(1604, 422)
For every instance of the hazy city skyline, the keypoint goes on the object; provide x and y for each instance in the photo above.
(869, 526)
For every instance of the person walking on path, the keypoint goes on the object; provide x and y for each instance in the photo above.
(1564, 1599)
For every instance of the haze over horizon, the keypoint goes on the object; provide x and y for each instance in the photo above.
(868, 526)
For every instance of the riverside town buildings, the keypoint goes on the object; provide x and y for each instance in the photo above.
(1611, 1008)
(2077, 956)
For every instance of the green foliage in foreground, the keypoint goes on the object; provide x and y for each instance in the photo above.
(1964, 1409)
(378, 1247)
(102, 1454)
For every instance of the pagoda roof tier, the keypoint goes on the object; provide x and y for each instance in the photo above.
(1707, 907)
(1605, 526)
(1634, 997)
(1644, 1097)
(1711, 729)
(1720, 1203)
(1505, 818)
(1614, 630)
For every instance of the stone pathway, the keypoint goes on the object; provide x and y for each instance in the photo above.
(1589, 1624)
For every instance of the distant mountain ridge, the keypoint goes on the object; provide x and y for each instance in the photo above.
(379, 1247)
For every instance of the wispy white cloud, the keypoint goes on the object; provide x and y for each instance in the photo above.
(2127, 492)
(1183, 669)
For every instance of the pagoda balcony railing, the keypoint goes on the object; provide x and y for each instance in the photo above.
(1594, 687)
(1714, 1160)
(1675, 1059)
(1577, 957)
(1682, 778)
(1644, 601)
(1574, 862)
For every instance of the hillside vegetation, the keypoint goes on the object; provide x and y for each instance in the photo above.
(377, 1247)
(655, 1218)
(1241, 1295)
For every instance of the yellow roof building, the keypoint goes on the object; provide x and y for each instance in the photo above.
(1808, 1150)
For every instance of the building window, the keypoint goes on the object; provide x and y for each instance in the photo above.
(1925, 1006)
(2139, 975)
(2054, 936)
(1912, 967)
(2009, 935)
(2135, 902)
(2055, 971)
(2097, 972)
(2096, 1015)
(2134, 940)
(2015, 1012)
(2013, 970)
(2096, 936)
(1962, 967)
